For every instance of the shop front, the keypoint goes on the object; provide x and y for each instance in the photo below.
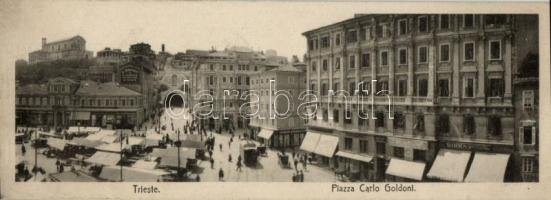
(321, 147)
(357, 166)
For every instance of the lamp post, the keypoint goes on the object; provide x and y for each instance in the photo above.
(121, 137)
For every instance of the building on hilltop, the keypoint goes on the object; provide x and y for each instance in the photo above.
(73, 48)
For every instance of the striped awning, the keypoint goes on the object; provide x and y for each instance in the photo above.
(354, 156)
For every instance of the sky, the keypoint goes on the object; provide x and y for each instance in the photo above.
(179, 25)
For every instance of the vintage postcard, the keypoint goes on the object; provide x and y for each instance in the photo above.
(274, 100)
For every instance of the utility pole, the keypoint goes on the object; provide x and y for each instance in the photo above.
(121, 134)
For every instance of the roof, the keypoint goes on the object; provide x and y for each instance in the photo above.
(104, 158)
(63, 79)
(66, 39)
(112, 147)
(357, 16)
(85, 142)
(91, 88)
(32, 89)
(286, 68)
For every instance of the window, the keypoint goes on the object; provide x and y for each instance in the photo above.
(224, 67)
(468, 124)
(325, 42)
(381, 148)
(325, 115)
(402, 27)
(338, 63)
(444, 21)
(443, 123)
(335, 86)
(495, 50)
(494, 125)
(379, 30)
(363, 118)
(314, 66)
(384, 58)
(492, 20)
(496, 87)
(423, 24)
(352, 36)
(419, 122)
(402, 56)
(324, 65)
(352, 61)
(469, 87)
(527, 165)
(224, 79)
(423, 54)
(352, 88)
(380, 121)
(336, 116)
(363, 146)
(363, 35)
(131, 102)
(443, 88)
(255, 68)
(444, 53)
(366, 59)
(347, 143)
(528, 99)
(348, 117)
(468, 51)
(364, 88)
(468, 21)
(419, 155)
(313, 86)
(324, 89)
(381, 86)
(402, 87)
(248, 80)
(399, 152)
(528, 135)
(422, 87)
(399, 121)
(338, 39)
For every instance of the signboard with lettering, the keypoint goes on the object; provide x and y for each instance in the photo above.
(129, 75)
(410, 143)
(477, 147)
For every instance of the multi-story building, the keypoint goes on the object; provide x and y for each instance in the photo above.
(440, 100)
(277, 92)
(110, 56)
(73, 48)
(216, 71)
(62, 102)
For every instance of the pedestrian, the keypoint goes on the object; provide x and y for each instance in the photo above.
(61, 169)
(229, 144)
(221, 174)
(304, 164)
(210, 153)
(301, 176)
(23, 150)
(229, 158)
(220, 146)
(57, 163)
(211, 163)
(294, 177)
(294, 153)
(296, 163)
(198, 178)
(238, 166)
(239, 158)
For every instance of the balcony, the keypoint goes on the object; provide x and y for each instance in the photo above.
(422, 100)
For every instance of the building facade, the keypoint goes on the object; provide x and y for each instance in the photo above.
(277, 122)
(437, 90)
(62, 102)
(216, 71)
(73, 48)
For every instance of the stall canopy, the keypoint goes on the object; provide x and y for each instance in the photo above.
(327, 145)
(130, 174)
(310, 141)
(85, 142)
(142, 164)
(113, 147)
(353, 156)
(449, 165)
(487, 167)
(101, 134)
(265, 133)
(152, 139)
(57, 143)
(193, 144)
(406, 169)
(110, 139)
(83, 129)
(136, 141)
(104, 158)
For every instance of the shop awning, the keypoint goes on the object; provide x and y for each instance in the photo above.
(152, 139)
(136, 141)
(81, 116)
(310, 141)
(57, 143)
(104, 158)
(354, 156)
(85, 142)
(406, 169)
(101, 134)
(193, 144)
(449, 165)
(487, 167)
(110, 139)
(327, 145)
(265, 133)
(130, 174)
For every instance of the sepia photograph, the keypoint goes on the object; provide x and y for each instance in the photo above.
(332, 93)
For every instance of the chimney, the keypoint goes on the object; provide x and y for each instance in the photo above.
(163, 48)
(43, 42)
